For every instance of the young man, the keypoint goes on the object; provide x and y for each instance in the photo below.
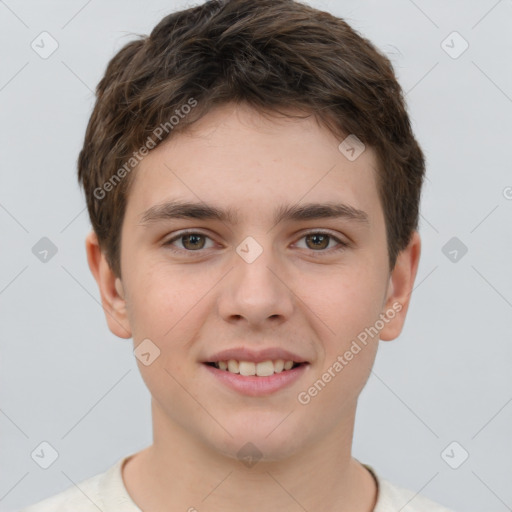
(253, 184)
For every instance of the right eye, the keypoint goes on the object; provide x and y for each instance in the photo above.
(192, 241)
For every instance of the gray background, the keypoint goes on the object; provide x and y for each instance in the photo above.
(65, 379)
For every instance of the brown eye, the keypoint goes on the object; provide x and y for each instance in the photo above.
(318, 240)
(193, 241)
(319, 243)
(189, 242)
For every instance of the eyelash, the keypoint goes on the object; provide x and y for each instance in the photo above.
(341, 244)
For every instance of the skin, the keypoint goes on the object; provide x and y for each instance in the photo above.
(312, 301)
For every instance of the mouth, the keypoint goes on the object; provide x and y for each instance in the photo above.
(256, 379)
(250, 369)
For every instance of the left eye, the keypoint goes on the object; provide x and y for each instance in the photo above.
(320, 240)
(194, 241)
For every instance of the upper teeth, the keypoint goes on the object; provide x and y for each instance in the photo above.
(263, 369)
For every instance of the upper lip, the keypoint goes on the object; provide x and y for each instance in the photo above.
(245, 354)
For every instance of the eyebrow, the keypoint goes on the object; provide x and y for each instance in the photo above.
(309, 211)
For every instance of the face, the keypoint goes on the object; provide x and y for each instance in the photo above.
(231, 274)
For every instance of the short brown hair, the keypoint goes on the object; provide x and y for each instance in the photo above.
(270, 54)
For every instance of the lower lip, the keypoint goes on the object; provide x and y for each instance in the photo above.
(257, 386)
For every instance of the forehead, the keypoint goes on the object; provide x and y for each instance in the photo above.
(236, 157)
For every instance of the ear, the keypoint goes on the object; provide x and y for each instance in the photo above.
(111, 288)
(400, 288)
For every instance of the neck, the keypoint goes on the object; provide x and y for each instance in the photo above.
(178, 472)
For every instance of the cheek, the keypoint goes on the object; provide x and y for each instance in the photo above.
(347, 301)
(162, 311)
(166, 308)
(156, 302)
(350, 306)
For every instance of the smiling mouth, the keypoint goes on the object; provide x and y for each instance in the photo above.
(248, 368)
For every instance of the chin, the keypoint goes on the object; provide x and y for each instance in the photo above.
(254, 445)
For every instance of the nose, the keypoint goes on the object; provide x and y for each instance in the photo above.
(257, 292)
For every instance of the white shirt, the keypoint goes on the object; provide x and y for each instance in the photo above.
(107, 492)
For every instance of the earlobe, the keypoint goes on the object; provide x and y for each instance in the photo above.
(111, 288)
(400, 288)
